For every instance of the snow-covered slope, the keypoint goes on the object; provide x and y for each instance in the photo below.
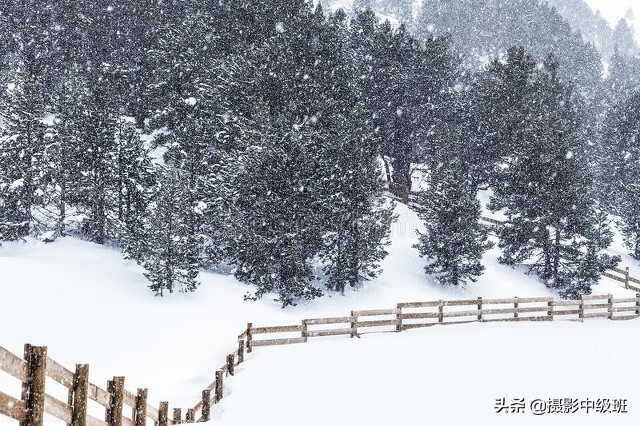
(88, 305)
(447, 376)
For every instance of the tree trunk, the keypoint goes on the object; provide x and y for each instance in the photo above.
(402, 172)
(556, 256)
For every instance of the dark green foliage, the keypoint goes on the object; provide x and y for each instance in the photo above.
(454, 240)
(22, 144)
(170, 255)
(543, 185)
(621, 167)
(403, 84)
(274, 224)
(357, 214)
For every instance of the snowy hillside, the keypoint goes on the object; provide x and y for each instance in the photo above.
(92, 306)
(448, 376)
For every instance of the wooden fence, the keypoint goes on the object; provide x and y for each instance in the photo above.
(36, 367)
(412, 315)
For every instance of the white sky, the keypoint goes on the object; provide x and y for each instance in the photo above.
(613, 10)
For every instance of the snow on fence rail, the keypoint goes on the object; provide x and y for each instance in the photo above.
(32, 371)
(412, 315)
(616, 274)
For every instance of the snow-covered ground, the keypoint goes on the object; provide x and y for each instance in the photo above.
(89, 305)
(448, 376)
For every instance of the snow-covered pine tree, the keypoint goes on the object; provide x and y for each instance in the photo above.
(274, 223)
(454, 240)
(401, 83)
(22, 143)
(543, 188)
(133, 179)
(357, 215)
(621, 167)
(170, 256)
(98, 129)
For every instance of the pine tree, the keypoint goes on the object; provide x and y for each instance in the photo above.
(543, 188)
(274, 225)
(98, 131)
(454, 240)
(21, 156)
(621, 168)
(358, 215)
(132, 179)
(170, 255)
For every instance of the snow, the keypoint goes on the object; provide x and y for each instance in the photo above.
(89, 305)
(441, 375)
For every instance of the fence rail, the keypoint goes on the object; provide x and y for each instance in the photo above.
(411, 315)
(36, 367)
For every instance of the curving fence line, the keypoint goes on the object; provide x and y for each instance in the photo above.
(36, 369)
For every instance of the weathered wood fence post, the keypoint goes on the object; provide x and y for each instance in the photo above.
(440, 311)
(33, 390)
(177, 416)
(240, 351)
(399, 317)
(218, 386)
(353, 325)
(479, 308)
(115, 389)
(163, 413)
(304, 330)
(626, 277)
(581, 308)
(249, 348)
(80, 394)
(515, 306)
(637, 303)
(231, 358)
(610, 306)
(191, 415)
(140, 417)
(550, 310)
(206, 405)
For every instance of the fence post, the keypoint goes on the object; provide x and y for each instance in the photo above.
(206, 405)
(550, 310)
(191, 415)
(33, 390)
(626, 277)
(249, 348)
(240, 351)
(80, 393)
(515, 306)
(230, 364)
(218, 387)
(140, 417)
(177, 416)
(303, 331)
(441, 311)
(163, 413)
(353, 325)
(610, 307)
(479, 308)
(399, 317)
(637, 303)
(581, 308)
(115, 388)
